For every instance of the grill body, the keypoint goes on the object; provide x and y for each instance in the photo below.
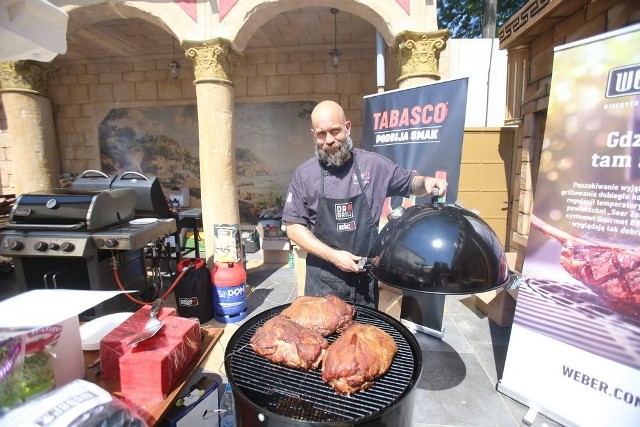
(267, 394)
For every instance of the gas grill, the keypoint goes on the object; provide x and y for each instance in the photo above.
(267, 394)
(70, 238)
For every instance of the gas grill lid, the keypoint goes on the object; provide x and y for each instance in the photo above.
(65, 209)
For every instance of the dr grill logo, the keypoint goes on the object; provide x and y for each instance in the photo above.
(344, 211)
(624, 81)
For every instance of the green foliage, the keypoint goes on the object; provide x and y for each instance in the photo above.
(464, 17)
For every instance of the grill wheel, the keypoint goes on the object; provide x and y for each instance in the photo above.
(303, 396)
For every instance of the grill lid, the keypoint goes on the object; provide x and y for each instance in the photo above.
(63, 209)
(439, 249)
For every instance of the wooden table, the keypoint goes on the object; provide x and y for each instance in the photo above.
(152, 411)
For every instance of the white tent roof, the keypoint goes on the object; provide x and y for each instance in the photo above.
(31, 29)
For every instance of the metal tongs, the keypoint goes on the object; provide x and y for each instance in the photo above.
(153, 325)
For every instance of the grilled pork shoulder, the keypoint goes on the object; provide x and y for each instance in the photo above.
(280, 340)
(324, 315)
(357, 357)
(613, 273)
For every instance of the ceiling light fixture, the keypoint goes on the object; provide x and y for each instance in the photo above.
(174, 67)
(335, 53)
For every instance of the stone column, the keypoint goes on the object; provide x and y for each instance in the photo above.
(214, 64)
(418, 56)
(35, 156)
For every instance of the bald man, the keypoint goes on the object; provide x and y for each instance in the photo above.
(334, 203)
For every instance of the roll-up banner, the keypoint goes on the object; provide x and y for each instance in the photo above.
(419, 128)
(574, 351)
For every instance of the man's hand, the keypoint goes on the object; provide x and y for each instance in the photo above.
(424, 185)
(345, 261)
(303, 237)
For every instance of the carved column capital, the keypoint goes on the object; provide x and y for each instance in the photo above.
(26, 76)
(418, 54)
(214, 60)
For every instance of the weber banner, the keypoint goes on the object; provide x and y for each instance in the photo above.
(574, 351)
(421, 129)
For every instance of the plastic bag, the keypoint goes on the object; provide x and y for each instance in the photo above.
(77, 404)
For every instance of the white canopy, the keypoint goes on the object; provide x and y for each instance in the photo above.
(31, 29)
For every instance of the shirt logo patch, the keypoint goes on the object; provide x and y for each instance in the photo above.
(363, 175)
(344, 211)
(347, 226)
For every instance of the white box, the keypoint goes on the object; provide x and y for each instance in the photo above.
(197, 406)
(180, 197)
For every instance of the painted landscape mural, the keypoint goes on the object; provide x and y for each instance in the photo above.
(271, 139)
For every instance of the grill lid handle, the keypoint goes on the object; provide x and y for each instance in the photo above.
(19, 226)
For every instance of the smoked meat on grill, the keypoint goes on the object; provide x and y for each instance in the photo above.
(324, 315)
(280, 340)
(355, 359)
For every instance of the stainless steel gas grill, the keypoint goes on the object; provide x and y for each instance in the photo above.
(69, 238)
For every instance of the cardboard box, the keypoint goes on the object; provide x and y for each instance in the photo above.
(275, 257)
(499, 305)
(226, 240)
(179, 197)
(390, 300)
(197, 406)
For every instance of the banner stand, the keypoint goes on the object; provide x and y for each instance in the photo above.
(423, 312)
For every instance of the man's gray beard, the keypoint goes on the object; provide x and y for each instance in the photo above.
(338, 158)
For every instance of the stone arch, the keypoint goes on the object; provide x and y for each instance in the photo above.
(388, 17)
(167, 15)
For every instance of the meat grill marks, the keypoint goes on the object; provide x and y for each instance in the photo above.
(355, 359)
(610, 272)
(282, 341)
(324, 315)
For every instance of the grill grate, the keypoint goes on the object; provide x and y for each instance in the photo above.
(303, 395)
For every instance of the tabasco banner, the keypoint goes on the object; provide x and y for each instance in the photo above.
(421, 129)
(574, 352)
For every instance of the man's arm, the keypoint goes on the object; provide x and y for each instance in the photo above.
(423, 185)
(304, 238)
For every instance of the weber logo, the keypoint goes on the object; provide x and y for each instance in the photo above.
(344, 211)
(347, 226)
(624, 81)
(188, 302)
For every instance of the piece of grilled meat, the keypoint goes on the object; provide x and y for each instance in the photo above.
(324, 315)
(613, 273)
(280, 340)
(357, 357)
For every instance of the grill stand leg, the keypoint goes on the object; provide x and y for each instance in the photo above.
(422, 312)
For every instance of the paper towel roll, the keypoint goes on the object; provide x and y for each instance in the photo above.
(68, 364)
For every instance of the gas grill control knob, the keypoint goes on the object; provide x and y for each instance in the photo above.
(54, 246)
(40, 246)
(67, 247)
(15, 245)
(111, 243)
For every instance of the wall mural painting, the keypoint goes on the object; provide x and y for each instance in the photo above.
(271, 140)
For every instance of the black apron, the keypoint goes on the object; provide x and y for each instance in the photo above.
(345, 224)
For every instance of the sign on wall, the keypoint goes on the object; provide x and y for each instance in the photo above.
(574, 351)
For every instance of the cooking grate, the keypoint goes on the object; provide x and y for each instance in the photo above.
(303, 395)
